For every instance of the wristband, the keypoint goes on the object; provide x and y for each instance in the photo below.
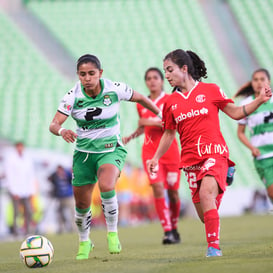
(244, 110)
(60, 131)
(159, 114)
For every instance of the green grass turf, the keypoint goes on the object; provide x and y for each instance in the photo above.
(247, 244)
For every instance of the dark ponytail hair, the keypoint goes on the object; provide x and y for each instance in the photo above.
(153, 69)
(247, 89)
(196, 66)
(88, 58)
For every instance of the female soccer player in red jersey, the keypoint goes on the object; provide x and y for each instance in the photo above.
(192, 110)
(168, 175)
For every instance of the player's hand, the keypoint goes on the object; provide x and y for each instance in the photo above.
(125, 140)
(265, 93)
(152, 166)
(255, 152)
(69, 136)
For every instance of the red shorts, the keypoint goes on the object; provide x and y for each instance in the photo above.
(167, 173)
(216, 167)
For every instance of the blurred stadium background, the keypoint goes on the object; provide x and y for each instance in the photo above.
(40, 41)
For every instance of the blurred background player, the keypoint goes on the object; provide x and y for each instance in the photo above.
(21, 185)
(99, 153)
(62, 191)
(168, 175)
(260, 125)
(192, 110)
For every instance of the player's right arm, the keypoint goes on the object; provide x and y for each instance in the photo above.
(243, 138)
(56, 128)
(239, 112)
(164, 144)
(150, 122)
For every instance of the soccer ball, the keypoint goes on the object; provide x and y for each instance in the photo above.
(36, 251)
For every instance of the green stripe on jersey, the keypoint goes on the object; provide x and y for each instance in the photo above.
(262, 128)
(265, 149)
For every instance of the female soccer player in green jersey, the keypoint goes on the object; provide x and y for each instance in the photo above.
(260, 124)
(99, 153)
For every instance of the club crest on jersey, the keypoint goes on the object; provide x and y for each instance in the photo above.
(107, 100)
(200, 98)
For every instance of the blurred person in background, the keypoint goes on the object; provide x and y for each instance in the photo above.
(61, 180)
(193, 111)
(21, 185)
(168, 175)
(260, 125)
(99, 153)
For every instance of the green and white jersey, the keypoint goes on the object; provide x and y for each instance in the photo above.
(260, 124)
(98, 124)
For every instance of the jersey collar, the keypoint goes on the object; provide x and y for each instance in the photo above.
(187, 94)
(99, 95)
(162, 94)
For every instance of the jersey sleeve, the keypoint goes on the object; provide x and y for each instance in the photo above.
(168, 121)
(242, 121)
(124, 91)
(66, 105)
(220, 98)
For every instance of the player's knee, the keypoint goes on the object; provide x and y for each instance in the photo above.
(158, 190)
(173, 196)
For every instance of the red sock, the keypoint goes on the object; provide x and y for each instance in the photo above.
(175, 212)
(212, 226)
(163, 213)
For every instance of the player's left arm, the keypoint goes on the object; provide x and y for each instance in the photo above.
(139, 131)
(146, 102)
(239, 112)
(150, 122)
(164, 144)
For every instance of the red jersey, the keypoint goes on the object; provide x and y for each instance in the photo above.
(195, 116)
(153, 134)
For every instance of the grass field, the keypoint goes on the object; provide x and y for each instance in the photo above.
(247, 244)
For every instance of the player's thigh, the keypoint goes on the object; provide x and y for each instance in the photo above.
(107, 177)
(109, 166)
(84, 169)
